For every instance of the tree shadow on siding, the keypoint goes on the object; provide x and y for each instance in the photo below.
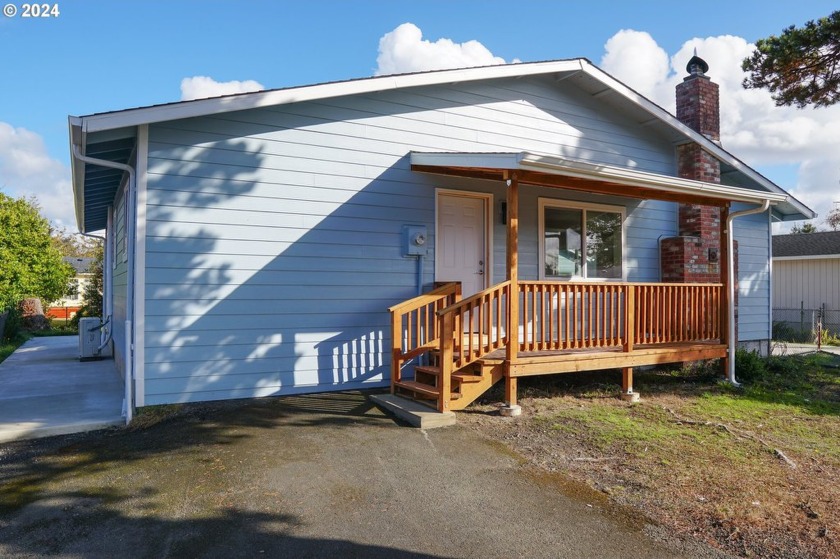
(288, 301)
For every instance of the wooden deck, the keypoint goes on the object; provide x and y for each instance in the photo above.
(514, 330)
(530, 363)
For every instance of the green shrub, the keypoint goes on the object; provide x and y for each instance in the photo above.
(827, 338)
(749, 365)
(13, 325)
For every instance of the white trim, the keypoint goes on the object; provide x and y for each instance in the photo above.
(543, 203)
(770, 276)
(488, 200)
(255, 100)
(560, 166)
(141, 167)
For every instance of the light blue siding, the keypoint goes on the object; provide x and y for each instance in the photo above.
(751, 232)
(120, 281)
(273, 236)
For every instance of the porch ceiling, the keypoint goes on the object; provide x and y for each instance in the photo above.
(557, 172)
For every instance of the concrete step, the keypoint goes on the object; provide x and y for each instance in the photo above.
(413, 412)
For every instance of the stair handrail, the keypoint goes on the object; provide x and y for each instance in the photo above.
(468, 323)
(423, 307)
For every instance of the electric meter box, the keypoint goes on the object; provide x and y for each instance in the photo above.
(415, 240)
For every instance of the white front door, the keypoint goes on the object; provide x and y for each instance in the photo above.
(461, 252)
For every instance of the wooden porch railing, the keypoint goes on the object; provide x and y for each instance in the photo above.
(553, 316)
(482, 319)
(415, 327)
(565, 316)
(677, 312)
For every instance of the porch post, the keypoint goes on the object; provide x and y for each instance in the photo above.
(510, 407)
(724, 279)
(627, 393)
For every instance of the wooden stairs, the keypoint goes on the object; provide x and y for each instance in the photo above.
(467, 384)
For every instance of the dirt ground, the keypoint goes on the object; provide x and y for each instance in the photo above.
(754, 472)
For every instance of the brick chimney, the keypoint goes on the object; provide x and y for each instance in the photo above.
(694, 256)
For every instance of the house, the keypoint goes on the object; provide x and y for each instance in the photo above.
(806, 280)
(69, 305)
(256, 241)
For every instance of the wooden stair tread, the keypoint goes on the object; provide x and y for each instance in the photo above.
(421, 388)
(435, 371)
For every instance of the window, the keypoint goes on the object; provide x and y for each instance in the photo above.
(581, 241)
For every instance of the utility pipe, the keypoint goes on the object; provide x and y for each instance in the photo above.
(731, 281)
(130, 200)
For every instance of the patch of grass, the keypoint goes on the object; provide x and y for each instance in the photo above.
(746, 467)
(9, 345)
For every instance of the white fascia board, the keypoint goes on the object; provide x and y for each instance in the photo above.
(203, 107)
(632, 177)
(77, 172)
(563, 167)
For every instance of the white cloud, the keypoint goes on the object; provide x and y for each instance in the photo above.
(26, 169)
(404, 50)
(634, 58)
(201, 87)
(752, 126)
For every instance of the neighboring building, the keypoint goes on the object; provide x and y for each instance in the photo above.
(69, 305)
(806, 279)
(264, 235)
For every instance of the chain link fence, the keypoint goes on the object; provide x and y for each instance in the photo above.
(806, 325)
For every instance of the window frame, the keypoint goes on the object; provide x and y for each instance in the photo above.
(544, 203)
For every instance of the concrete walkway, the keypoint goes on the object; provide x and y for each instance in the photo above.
(45, 390)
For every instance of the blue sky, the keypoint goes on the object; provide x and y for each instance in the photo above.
(105, 55)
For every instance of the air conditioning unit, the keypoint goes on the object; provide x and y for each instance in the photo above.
(89, 338)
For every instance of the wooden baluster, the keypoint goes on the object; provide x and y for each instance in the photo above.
(447, 359)
(396, 348)
(630, 329)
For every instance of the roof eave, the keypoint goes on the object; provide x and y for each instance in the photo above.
(580, 169)
(254, 100)
(77, 171)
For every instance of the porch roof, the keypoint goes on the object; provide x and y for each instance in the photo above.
(560, 172)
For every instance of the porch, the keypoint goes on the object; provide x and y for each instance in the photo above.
(459, 348)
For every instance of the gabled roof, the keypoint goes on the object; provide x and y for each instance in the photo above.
(803, 245)
(111, 135)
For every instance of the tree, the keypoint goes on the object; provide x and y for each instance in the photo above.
(31, 265)
(800, 67)
(92, 295)
(70, 244)
(806, 227)
(833, 219)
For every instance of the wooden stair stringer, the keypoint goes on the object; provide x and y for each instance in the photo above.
(491, 373)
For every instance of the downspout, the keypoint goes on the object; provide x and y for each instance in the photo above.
(129, 374)
(731, 281)
(770, 283)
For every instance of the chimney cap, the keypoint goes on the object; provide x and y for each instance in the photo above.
(696, 66)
